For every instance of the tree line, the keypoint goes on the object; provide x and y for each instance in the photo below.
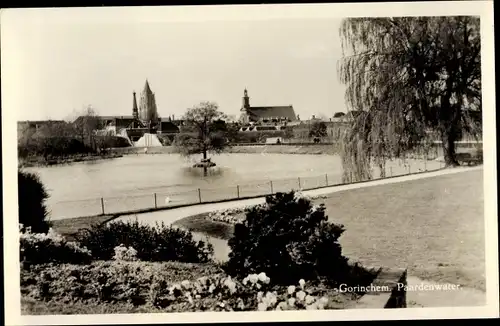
(57, 139)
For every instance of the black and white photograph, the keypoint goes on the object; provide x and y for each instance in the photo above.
(249, 163)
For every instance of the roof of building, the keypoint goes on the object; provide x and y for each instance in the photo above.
(272, 111)
(40, 121)
(169, 126)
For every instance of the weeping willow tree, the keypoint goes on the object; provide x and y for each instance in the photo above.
(407, 79)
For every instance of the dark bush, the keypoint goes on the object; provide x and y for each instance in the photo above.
(31, 199)
(288, 239)
(153, 243)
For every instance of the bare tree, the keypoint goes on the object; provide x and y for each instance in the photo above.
(85, 125)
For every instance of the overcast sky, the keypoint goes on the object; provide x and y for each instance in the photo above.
(63, 65)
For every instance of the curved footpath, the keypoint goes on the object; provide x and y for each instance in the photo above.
(172, 215)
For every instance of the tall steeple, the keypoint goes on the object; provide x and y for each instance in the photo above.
(147, 106)
(246, 101)
(147, 89)
(135, 110)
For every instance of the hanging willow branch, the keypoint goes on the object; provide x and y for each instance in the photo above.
(405, 77)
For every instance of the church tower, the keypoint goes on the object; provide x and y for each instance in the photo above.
(135, 111)
(246, 101)
(147, 106)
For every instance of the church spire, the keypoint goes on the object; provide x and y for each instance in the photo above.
(147, 89)
(135, 111)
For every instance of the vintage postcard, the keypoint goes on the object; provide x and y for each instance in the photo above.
(249, 163)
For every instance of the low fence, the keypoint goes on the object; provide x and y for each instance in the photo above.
(169, 198)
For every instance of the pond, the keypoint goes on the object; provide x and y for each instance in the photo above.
(145, 181)
(131, 181)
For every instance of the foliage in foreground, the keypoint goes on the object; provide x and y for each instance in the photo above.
(289, 239)
(162, 286)
(152, 243)
(31, 199)
(50, 247)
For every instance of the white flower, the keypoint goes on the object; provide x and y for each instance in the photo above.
(253, 278)
(270, 299)
(301, 295)
(186, 284)
(262, 277)
(230, 284)
(291, 302)
(322, 303)
(260, 295)
(309, 299)
(211, 288)
(302, 283)
(241, 304)
(281, 306)
(312, 307)
(262, 306)
(291, 289)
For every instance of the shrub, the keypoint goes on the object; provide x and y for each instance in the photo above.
(125, 254)
(152, 243)
(32, 196)
(41, 248)
(157, 286)
(289, 239)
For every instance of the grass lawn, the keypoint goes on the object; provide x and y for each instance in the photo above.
(433, 226)
(69, 227)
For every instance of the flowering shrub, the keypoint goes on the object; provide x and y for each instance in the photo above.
(231, 215)
(162, 287)
(288, 238)
(151, 243)
(38, 248)
(124, 253)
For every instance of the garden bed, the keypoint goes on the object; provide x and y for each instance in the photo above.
(128, 287)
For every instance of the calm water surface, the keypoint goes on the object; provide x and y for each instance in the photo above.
(130, 182)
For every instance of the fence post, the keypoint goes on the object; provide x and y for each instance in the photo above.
(350, 177)
(238, 190)
(299, 182)
(326, 179)
(409, 168)
(271, 183)
(156, 206)
(102, 205)
(390, 168)
(425, 164)
(199, 194)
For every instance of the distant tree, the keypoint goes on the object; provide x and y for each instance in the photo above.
(31, 200)
(339, 114)
(85, 126)
(204, 131)
(289, 134)
(411, 76)
(318, 129)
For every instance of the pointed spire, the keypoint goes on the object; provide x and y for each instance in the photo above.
(146, 87)
(135, 111)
